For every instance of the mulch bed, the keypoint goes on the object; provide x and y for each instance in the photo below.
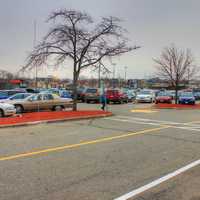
(176, 106)
(52, 116)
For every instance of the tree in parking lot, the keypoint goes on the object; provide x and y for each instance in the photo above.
(73, 36)
(176, 66)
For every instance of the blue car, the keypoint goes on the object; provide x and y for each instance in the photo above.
(64, 94)
(3, 95)
(60, 92)
(186, 98)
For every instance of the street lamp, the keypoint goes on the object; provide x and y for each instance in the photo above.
(125, 71)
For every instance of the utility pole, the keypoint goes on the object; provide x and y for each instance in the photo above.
(125, 71)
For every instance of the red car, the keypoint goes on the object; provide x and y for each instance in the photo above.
(163, 98)
(116, 96)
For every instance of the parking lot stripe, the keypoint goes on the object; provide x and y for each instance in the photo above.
(101, 140)
(158, 181)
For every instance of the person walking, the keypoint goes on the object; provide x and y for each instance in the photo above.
(103, 100)
(102, 95)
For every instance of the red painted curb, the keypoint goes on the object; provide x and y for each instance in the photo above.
(84, 115)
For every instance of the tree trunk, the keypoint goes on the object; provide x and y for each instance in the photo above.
(176, 94)
(75, 78)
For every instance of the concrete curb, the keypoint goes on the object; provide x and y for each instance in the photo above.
(56, 120)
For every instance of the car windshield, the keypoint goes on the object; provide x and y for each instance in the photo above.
(145, 92)
(163, 94)
(3, 94)
(19, 96)
(91, 90)
(186, 94)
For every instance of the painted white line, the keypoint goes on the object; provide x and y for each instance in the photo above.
(146, 122)
(152, 120)
(136, 122)
(158, 181)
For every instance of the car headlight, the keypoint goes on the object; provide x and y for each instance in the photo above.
(10, 108)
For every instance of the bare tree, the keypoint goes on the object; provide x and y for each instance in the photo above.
(176, 65)
(74, 37)
(6, 75)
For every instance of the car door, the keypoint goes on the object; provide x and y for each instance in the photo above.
(33, 103)
(48, 101)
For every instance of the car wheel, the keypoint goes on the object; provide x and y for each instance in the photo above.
(58, 108)
(19, 109)
(1, 113)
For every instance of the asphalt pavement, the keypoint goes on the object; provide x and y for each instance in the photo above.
(103, 159)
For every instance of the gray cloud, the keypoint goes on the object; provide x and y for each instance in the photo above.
(151, 23)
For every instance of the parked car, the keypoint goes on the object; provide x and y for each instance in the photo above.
(186, 98)
(9, 93)
(146, 96)
(81, 94)
(7, 110)
(18, 96)
(130, 94)
(60, 92)
(42, 101)
(116, 96)
(196, 95)
(3, 95)
(163, 97)
(92, 95)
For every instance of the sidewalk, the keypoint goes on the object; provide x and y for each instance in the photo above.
(47, 117)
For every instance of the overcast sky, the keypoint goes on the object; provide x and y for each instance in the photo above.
(153, 24)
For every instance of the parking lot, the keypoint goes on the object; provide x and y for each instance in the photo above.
(104, 159)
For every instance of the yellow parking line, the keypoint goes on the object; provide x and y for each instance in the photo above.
(106, 139)
(143, 111)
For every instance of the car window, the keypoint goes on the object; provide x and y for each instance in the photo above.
(90, 90)
(17, 96)
(48, 97)
(26, 95)
(35, 98)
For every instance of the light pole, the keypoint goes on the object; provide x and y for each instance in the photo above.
(34, 44)
(125, 71)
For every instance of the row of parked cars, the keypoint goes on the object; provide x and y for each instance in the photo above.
(89, 95)
(139, 96)
(21, 100)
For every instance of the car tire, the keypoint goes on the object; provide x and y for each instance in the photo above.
(58, 108)
(1, 113)
(19, 109)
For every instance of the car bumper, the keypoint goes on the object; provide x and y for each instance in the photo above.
(186, 102)
(144, 100)
(9, 112)
(92, 98)
(164, 101)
